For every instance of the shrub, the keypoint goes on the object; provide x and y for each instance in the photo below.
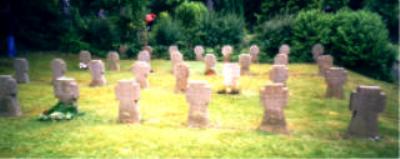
(101, 34)
(190, 13)
(309, 28)
(357, 40)
(360, 41)
(35, 24)
(272, 8)
(164, 16)
(213, 30)
(251, 10)
(130, 23)
(161, 51)
(230, 6)
(43, 25)
(158, 6)
(167, 32)
(133, 49)
(216, 29)
(72, 41)
(271, 34)
(72, 38)
(389, 11)
(335, 5)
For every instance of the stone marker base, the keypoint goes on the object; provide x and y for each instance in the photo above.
(97, 83)
(180, 90)
(274, 126)
(129, 115)
(198, 121)
(228, 90)
(9, 107)
(244, 72)
(209, 73)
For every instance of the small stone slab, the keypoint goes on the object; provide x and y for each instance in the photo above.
(58, 68)
(254, 52)
(21, 66)
(199, 51)
(227, 51)
(279, 74)
(182, 74)
(324, 63)
(113, 61)
(245, 62)
(281, 59)
(97, 70)
(142, 70)
(210, 62)
(284, 49)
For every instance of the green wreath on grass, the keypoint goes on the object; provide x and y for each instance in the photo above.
(60, 111)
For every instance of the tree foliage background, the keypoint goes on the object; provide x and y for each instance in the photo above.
(103, 25)
(57, 25)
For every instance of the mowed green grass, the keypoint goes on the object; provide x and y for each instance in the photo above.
(317, 125)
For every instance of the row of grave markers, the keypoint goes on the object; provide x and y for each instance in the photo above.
(365, 102)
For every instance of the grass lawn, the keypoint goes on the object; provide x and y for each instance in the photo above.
(316, 124)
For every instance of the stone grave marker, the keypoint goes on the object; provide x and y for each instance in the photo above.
(21, 66)
(182, 74)
(279, 74)
(59, 68)
(128, 93)
(84, 59)
(254, 52)
(227, 51)
(317, 50)
(66, 90)
(284, 49)
(145, 56)
(113, 61)
(123, 48)
(97, 70)
(199, 51)
(176, 58)
(198, 95)
(231, 73)
(171, 49)
(210, 62)
(324, 63)
(142, 70)
(274, 98)
(149, 49)
(366, 102)
(335, 78)
(245, 62)
(9, 106)
(281, 59)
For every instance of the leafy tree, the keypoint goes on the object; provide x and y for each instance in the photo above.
(190, 13)
(389, 11)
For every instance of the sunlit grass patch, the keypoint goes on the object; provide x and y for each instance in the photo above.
(316, 124)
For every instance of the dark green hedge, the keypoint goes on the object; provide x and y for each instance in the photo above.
(357, 40)
(43, 25)
(212, 31)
